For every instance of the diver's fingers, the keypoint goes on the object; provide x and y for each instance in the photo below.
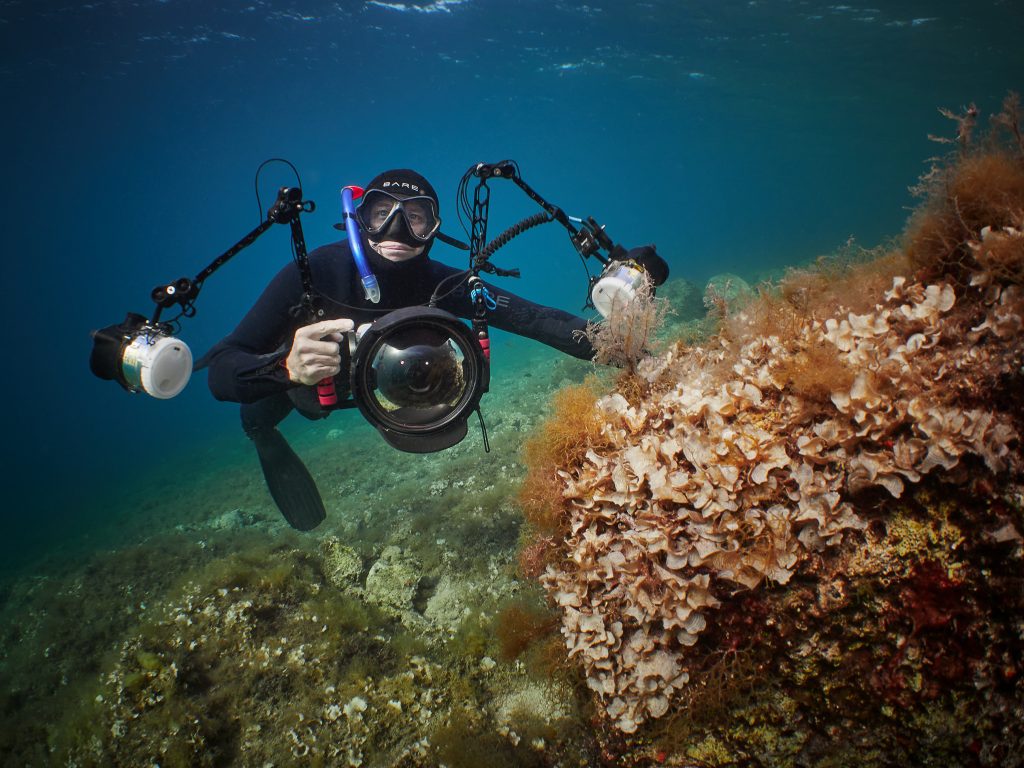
(324, 328)
(309, 372)
(315, 347)
(310, 358)
(321, 360)
(322, 371)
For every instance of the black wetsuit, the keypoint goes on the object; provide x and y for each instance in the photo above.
(247, 366)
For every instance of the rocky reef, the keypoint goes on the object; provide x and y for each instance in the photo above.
(792, 537)
(799, 542)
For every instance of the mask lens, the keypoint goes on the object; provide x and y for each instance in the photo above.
(420, 216)
(378, 208)
(375, 211)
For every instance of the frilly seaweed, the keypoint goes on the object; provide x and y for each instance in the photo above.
(821, 489)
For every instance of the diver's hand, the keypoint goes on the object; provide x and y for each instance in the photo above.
(316, 351)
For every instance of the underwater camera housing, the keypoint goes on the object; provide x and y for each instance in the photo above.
(417, 375)
(142, 357)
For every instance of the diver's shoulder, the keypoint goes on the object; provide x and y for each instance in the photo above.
(329, 251)
(330, 259)
(440, 269)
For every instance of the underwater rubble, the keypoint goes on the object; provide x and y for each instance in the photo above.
(224, 638)
(798, 542)
(278, 666)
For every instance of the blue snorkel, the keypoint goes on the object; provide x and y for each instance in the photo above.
(355, 242)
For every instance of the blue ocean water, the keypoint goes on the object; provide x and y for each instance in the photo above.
(737, 136)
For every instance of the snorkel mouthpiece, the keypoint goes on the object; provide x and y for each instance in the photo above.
(355, 242)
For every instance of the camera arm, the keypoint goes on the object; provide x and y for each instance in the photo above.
(589, 240)
(622, 269)
(144, 356)
(285, 210)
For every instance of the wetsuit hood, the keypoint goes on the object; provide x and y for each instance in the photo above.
(401, 183)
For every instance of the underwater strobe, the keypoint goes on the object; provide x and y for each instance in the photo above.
(142, 357)
(622, 278)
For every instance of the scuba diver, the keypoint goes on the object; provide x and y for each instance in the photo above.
(274, 360)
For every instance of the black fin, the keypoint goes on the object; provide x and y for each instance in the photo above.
(292, 487)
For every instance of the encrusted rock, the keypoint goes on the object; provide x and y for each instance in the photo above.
(530, 698)
(726, 287)
(232, 520)
(341, 564)
(393, 580)
(449, 604)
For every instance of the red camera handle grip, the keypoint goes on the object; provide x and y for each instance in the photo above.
(326, 394)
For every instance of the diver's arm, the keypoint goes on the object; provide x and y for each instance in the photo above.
(554, 327)
(249, 363)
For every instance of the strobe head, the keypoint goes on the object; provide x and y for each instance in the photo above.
(141, 357)
(620, 280)
(417, 375)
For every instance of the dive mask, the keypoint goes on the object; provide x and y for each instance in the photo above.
(378, 209)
